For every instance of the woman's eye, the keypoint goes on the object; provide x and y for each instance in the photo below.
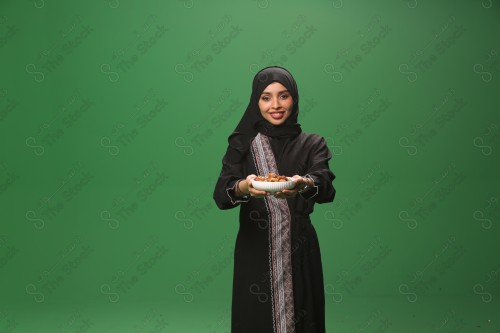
(284, 96)
(265, 98)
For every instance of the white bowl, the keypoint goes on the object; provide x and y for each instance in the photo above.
(273, 186)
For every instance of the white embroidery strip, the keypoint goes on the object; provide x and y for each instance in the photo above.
(280, 243)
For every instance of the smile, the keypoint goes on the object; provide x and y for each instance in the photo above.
(277, 114)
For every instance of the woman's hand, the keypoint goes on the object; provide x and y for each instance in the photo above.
(300, 182)
(247, 188)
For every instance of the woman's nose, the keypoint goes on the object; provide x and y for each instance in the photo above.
(276, 103)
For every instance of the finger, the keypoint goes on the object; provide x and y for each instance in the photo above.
(249, 179)
(289, 194)
(257, 192)
(260, 192)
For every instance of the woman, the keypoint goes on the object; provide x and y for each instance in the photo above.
(278, 277)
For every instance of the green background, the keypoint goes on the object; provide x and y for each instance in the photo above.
(114, 117)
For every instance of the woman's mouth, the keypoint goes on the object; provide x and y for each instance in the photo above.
(277, 115)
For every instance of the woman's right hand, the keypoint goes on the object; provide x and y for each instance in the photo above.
(246, 187)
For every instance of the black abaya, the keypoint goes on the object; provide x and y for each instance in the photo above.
(257, 305)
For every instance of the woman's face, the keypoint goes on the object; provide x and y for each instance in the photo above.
(275, 103)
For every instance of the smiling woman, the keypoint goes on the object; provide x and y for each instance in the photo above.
(278, 275)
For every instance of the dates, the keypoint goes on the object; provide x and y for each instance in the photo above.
(271, 177)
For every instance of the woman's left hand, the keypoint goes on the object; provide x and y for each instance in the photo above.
(293, 192)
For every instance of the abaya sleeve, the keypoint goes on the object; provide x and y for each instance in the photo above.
(224, 193)
(319, 171)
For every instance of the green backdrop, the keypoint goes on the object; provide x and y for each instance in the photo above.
(114, 117)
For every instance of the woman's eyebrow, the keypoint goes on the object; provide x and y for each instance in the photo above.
(280, 92)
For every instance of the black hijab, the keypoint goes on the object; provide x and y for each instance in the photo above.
(252, 121)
